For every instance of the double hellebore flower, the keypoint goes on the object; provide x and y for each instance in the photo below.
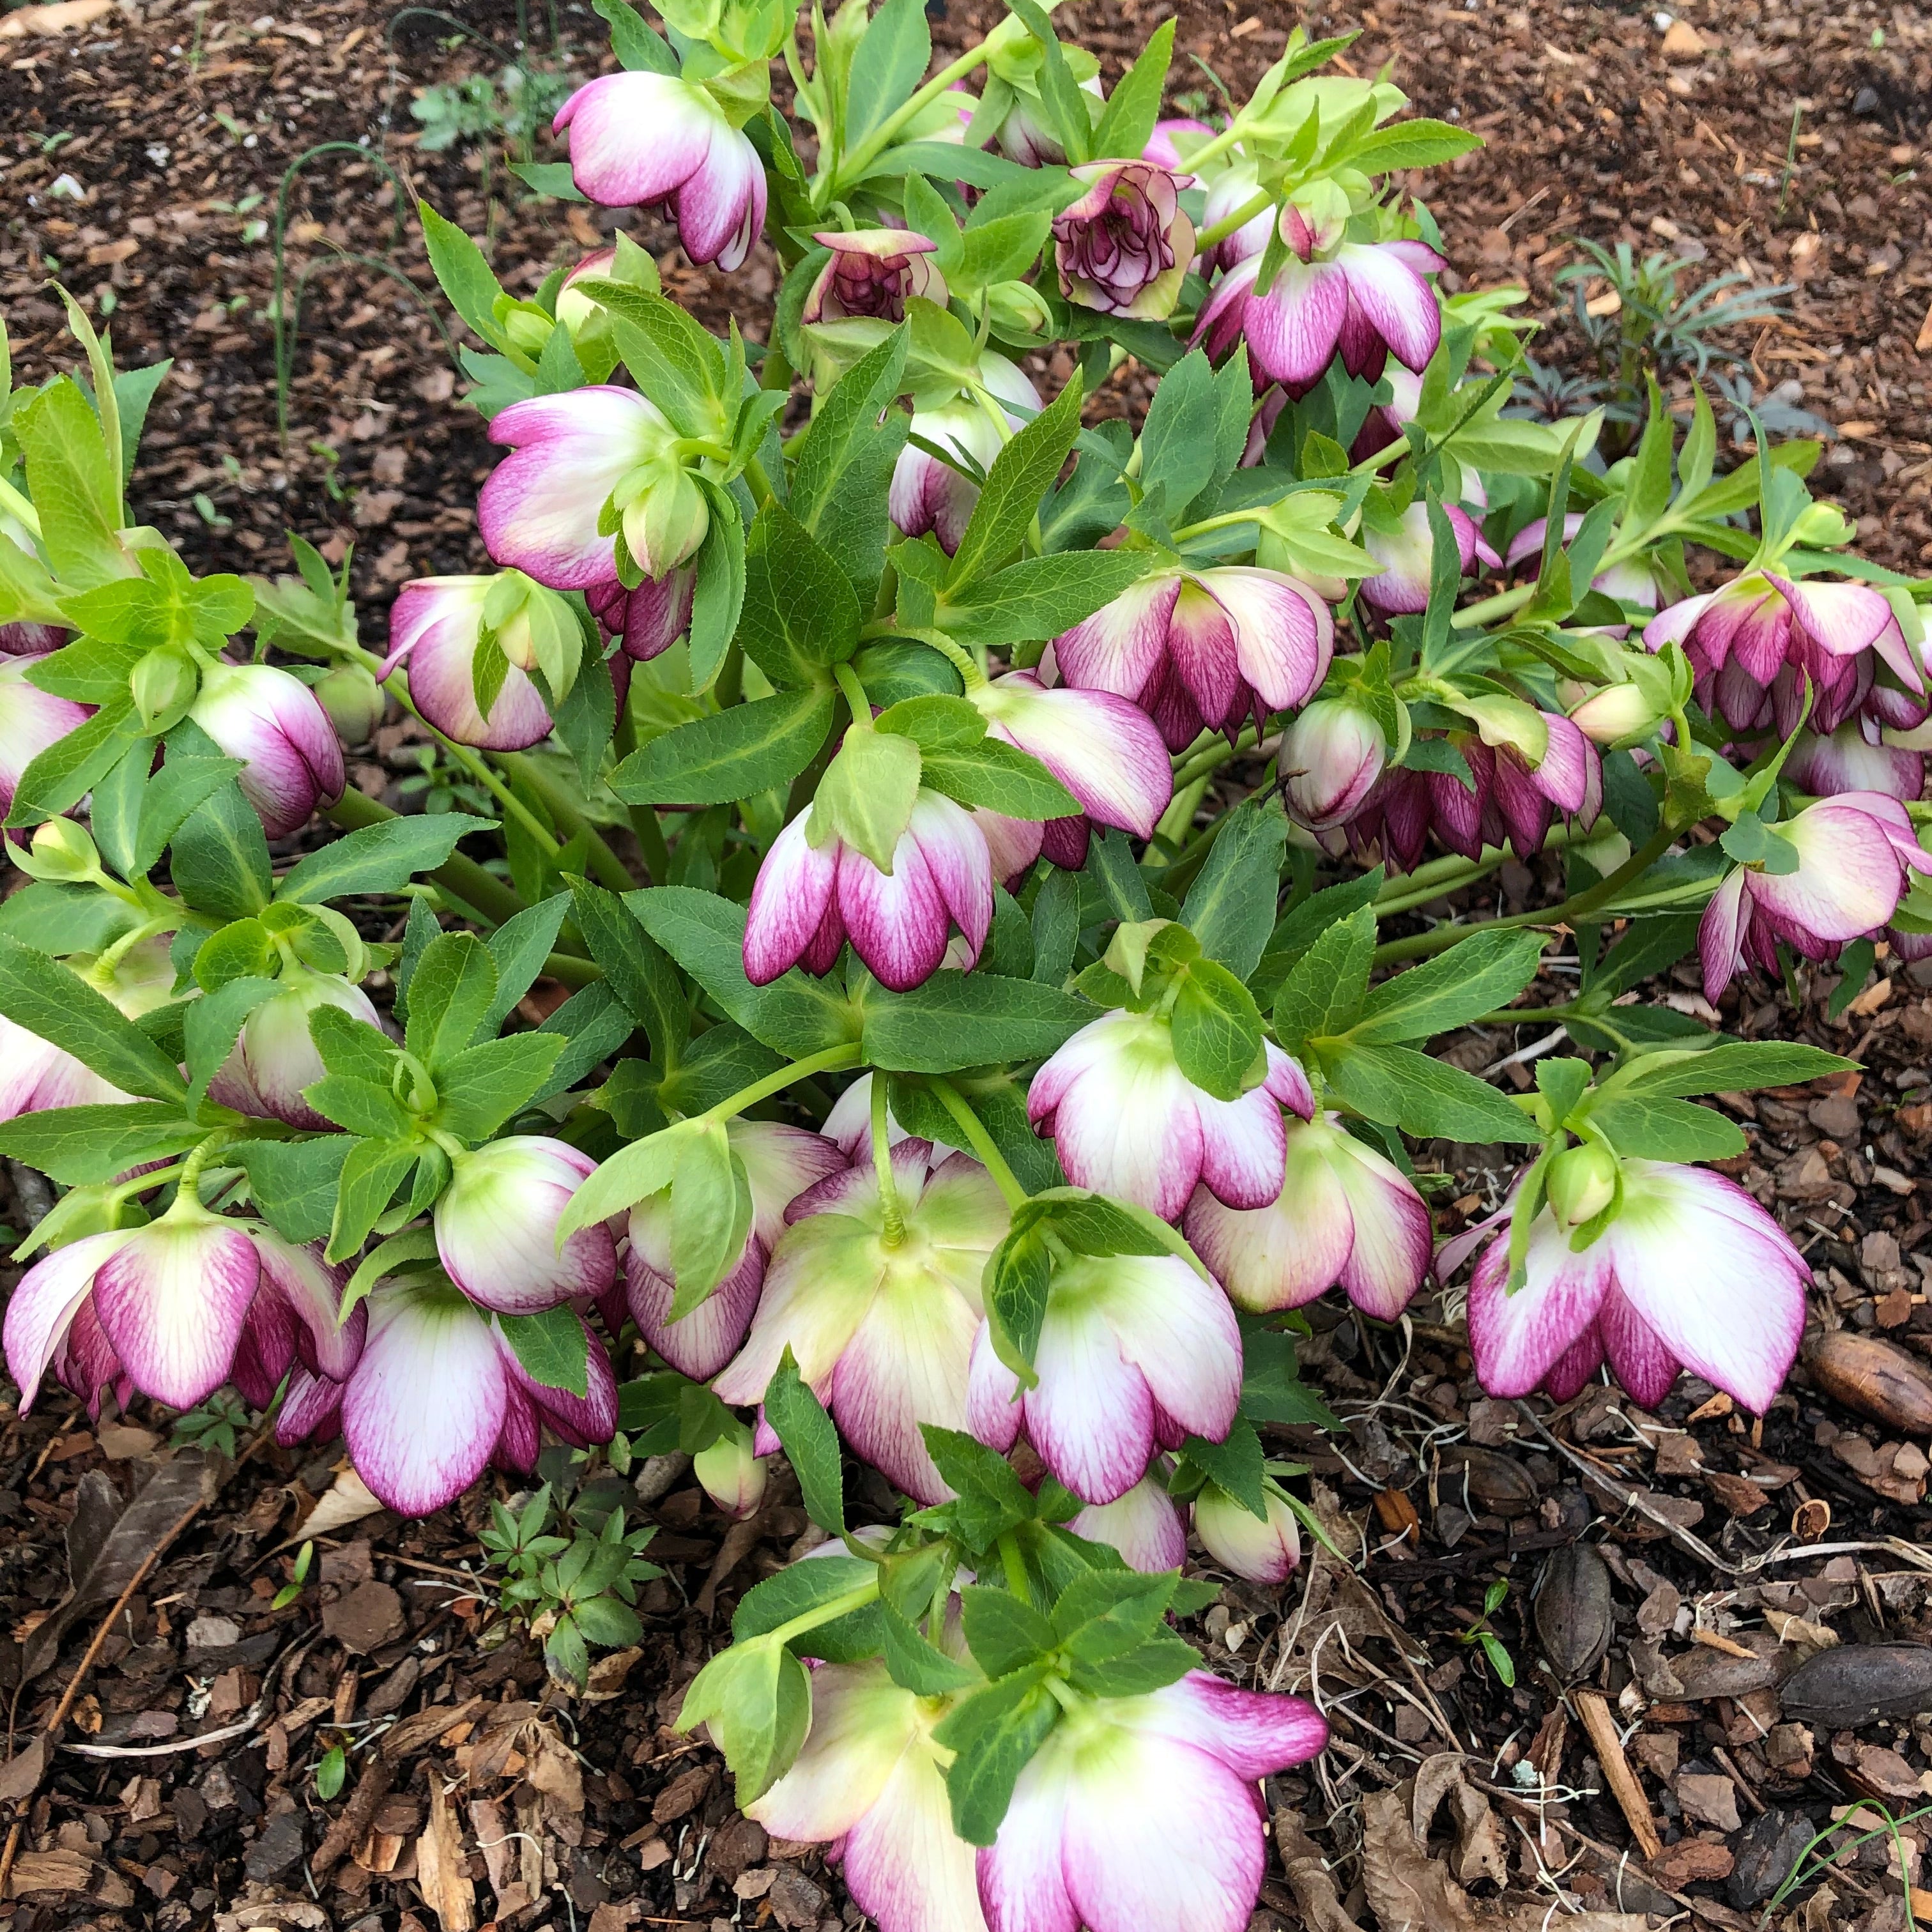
(35, 1074)
(1401, 587)
(878, 1300)
(1367, 298)
(1345, 1214)
(571, 455)
(496, 1227)
(874, 272)
(809, 899)
(1692, 1272)
(1203, 647)
(1134, 1350)
(1140, 1814)
(1124, 1119)
(869, 1783)
(434, 626)
(927, 494)
(166, 1308)
(439, 1394)
(781, 1162)
(1262, 1549)
(30, 720)
(645, 140)
(1854, 854)
(292, 759)
(1331, 756)
(1124, 247)
(274, 1057)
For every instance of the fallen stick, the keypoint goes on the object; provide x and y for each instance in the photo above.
(1594, 1711)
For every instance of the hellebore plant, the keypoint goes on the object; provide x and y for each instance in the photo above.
(932, 953)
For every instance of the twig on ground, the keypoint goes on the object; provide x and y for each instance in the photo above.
(1595, 1711)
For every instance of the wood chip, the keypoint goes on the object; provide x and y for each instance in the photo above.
(1601, 1728)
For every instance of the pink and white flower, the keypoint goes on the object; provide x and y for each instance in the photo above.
(1401, 588)
(1204, 648)
(1161, 149)
(35, 1074)
(1856, 853)
(295, 1321)
(439, 1395)
(1125, 1119)
(640, 139)
(434, 626)
(849, 1125)
(30, 719)
(1346, 1214)
(881, 1328)
(292, 759)
(781, 1162)
(1125, 247)
(869, 1783)
(808, 900)
(649, 619)
(1366, 298)
(1134, 1351)
(1141, 1814)
(1855, 757)
(1629, 583)
(274, 1056)
(1262, 1549)
(1330, 757)
(1230, 191)
(1144, 1526)
(1692, 1273)
(873, 273)
(929, 494)
(571, 455)
(496, 1227)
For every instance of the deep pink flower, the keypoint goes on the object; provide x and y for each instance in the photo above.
(292, 759)
(874, 272)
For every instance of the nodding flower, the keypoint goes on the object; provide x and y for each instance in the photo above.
(291, 758)
(1125, 247)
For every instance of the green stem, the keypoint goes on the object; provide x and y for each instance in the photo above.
(980, 1141)
(855, 694)
(1259, 203)
(645, 826)
(1214, 149)
(1014, 1563)
(892, 1229)
(564, 809)
(827, 1060)
(882, 137)
(463, 877)
(823, 1613)
(1213, 757)
(759, 483)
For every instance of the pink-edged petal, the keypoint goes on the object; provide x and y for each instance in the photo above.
(311, 1290)
(1292, 330)
(311, 1410)
(955, 852)
(1104, 748)
(906, 1867)
(897, 922)
(1118, 648)
(1848, 882)
(1179, 1331)
(1287, 1082)
(275, 725)
(1636, 1354)
(423, 1411)
(434, 629)
(1576, 1366)
(581, 1420)
(1395, 298)
(637, 137)
(1255, 1733)
(720, 205)
(1285, 633)
(789, 898)
(861, 1722)
(1393, 1235)
(43, 1304)
(992, 1395)
(1282, 1255)
(172, 1302)
(30, 720)
(1242, 1147)
(1515, 1339)
(1144, 1526)
(1563, 776)
(496, 1227)
(1022, 1883)
(1091, 1418)
(698, 1344)
(1721, 934)
(1674, 624)
(781, 1162)
(1204, 649)
(1843, 619)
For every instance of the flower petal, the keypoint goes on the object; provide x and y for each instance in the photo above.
(1118, 647)
(1292, 330)
(44, 1303)
(1180, 1332)
(172, 1302)
(1144, 1526)
(862, 1723)
(1255, 1733)
(720, 205)
(789, 898)
(1515, 1339)
(637, 137)
(496, 1227)
(993, 1408)
(1104, 748)
(1395, 298)
(1091, 1418)
(906, 1867)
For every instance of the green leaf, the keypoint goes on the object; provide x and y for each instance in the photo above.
(1018, 1281)
(635, 968)
(991, 1499)
(76, 1146)
(1324, 992)
(810, 1445)
(994, 1735)
(595, 1023)
(486, 1084)
(1178, 441)
(455, 986)
(212, 1025)
(553, 1347)
(866, 796)
(1653, 1128)
(1134, 106)
(1424, 1097)
(796, 1592)
(679, 366)
(800, 614)
(1231, 906)
(1419, 143)
(295, 1183)
(360, 1105)
(351, 1047)
(917, 1665)
(218, 858)
(711, 1210)
(519, 947)
(1238, 1465)
(371, 1172)
(381, 858)
(1483, 973)
(1003, 1633)
(639, 47)
(62, 917)
(1016, 485)
(182, 785)
(890, 64)
(1040, 596)
(959, 1020)
(631, 1174)
(57, 1006)
(1733, 1067)
(72, 481)
(757, 1701)
(735, 753)
(1217, 1029)
(718, 593)
(1000, 777)
(838, 488)
(467, 278)
(58, 778)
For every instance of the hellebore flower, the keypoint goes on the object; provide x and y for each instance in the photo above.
(731, 1474)
(808, 900)
(28, 641)
(292, 759)
(879, 1305)
(1231, 190)
(434, 626)
(35, 1074)
(311, 1410)
(1144, 1526)
(1331, 756)
(781, 1162)
(1203, 647)
(274, 1057)
(496, 1227)
(927, 494)
(649, 619)
(1346, 1214)
(1367, 298)
(1401, 588)
(1140, 1814)
(849, 1125)
(645, 139)
(1739, 638)
(295, 1320)
(1629, 583)
(570, 455)
(1261, 1550)
(874, 272)
(439, 1394)
(1134, 1350)
(1854, 852)
(1124, 247)
(30, 720)
(1692, 1272)
(1854, 758)
(869, 1783)
(1161, 149)
(1125, 1119)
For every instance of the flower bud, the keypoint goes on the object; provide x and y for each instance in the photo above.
(292, 761)
(666, 515)
(163, 683)
(1822, 526)
(1616, 714)
(1262, 1551)
(354, 701)
(1330, 756)
(61, 850)
(732, 1476)
(275, 1055)
(1583, 1183)
(527, 327)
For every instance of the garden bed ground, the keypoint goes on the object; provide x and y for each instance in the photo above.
(475, 1793)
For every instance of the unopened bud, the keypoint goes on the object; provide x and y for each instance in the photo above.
(1330, 756)
(61, 850)
(666, 519)
(732, 1476)
(1583, 1183)
(1616, 714)
(1823, 525)
(354, 701)
(164, 684)
(1019, 308)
